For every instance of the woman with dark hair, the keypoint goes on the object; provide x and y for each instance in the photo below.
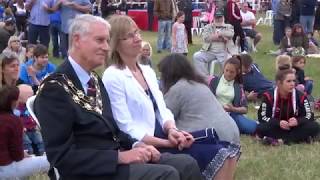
(229, 91)
(190, 100)
(285, 114)
(140, 111)
(9, 70)
(299, 38)
(14, 163)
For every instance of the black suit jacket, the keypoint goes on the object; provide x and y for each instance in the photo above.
(78, 142)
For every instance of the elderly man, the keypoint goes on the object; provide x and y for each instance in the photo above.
(217, 46)
(248, 23)
(82, 139)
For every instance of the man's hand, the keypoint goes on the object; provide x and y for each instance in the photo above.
(284, 125)
(293, 122)
(155, 154)
(135, 155)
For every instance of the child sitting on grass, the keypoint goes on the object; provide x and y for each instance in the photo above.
(145, 56)
(14, 163)
(304, 83)
(31, 136)
(283, 62)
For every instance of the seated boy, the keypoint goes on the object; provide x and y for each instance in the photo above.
(33, 71)
(254, 82)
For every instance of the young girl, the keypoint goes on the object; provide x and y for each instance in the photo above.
(179, 35)
(298, 63)
(285, 114)
(145, 57)
(14, 163)
(229, 92)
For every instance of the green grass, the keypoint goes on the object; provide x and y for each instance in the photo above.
(258, 162)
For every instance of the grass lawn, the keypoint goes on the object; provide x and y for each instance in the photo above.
(258, 162)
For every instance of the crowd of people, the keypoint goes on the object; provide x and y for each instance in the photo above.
(131, 124)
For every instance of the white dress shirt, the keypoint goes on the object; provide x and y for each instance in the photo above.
(131, 106)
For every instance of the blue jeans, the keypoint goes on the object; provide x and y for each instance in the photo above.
(55, 31)
(33, 137)
(245, 125)
(307, 23)
(308, 86)
(41, 32)
(164, 34)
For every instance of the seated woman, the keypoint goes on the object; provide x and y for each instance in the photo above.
(285, 114)
(14, 163)
(139, 108)
(190, 100)
(33, 71)
(9, 70)
(229, 92)
(15, 47)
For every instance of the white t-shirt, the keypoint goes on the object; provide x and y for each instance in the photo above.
(247, 17)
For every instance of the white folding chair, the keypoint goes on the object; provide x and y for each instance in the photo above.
(195, 25)
(30, 108)
(269, 18)
(29, 105)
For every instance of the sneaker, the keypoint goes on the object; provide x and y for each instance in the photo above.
(244, 52)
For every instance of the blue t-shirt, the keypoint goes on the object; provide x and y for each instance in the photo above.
(24, 76)
(255, 81)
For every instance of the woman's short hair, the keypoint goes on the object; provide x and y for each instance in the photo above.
(11, 39)
(175, 67)
(7, 58)
(120, 26)
(8, 95)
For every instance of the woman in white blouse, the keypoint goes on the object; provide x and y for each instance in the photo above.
(139, 108)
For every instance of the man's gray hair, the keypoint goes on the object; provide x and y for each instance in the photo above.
(81, 25)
